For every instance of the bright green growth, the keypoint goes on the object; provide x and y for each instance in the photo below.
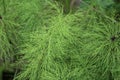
(46, 44)
(47, 49)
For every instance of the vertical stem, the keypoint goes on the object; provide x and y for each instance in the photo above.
(4, 7)
(66, 6)
(110, 77)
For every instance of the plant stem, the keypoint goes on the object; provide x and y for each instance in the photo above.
(110, 77)
(4, 7)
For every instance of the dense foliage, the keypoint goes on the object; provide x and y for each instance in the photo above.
(49, 40)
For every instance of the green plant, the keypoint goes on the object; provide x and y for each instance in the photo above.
(101, 45)
(47, 47)
(8, 35)
(44, 43)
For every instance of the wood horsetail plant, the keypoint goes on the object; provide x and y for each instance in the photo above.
(47, 48)
(45, 43)
(102, 50)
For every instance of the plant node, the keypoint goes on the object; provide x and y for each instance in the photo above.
(113, 38)
(0, 17)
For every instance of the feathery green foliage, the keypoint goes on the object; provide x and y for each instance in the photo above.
(8, 35)
(47, 44)
(47, 48)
